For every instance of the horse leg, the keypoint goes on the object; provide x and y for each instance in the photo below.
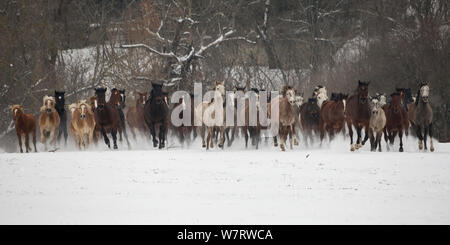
(212, 132)
(350, 132)
(27, 143)
(425, 135)
(378, 140)
(202, 135)
(372, 140)
(209, 136)
(153, 133)
(358, 140)
(386, 138)
(162, 130)
(366, 136)
(20, 142)
(44, 139)
(400, 135)
(244, 131)
(114, 136)
(105, 137)
(34, 140)
(125, 134)
(283, 138)
(419, 135)
(222, 137)
(53, 137)
(65, 132)
(430, 131)
(291, 135)
(392, 137)
(133, 133)
(294, 134)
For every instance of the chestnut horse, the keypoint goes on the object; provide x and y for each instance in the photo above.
(25, 124)
(106, 116)
(49, 121)
(332, 115)
(156, 113)
(396, 120)
(135, 115)
(358, 114)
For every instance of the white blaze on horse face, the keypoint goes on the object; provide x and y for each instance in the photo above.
(425, 91)
(345, 104)
(290, 94)
(321, 97)
(95, 103)
(59, 97)
(15, 112)
(298, 100)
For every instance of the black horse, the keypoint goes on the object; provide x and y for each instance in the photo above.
(156, 112)
(60, 108)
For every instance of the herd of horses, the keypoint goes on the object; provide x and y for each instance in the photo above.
(320, 115)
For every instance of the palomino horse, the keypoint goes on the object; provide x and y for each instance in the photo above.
(310, 119)
(396, 120)
(116, 99)
(377, 123)
(135, 115)
(49, 121)
(421, 116)
(286, 123)
(332, 115)
(83, 123)
(25, 125)
(60, 108)
(358, 114)
(156, 113)
(106, 116)
(209, 121)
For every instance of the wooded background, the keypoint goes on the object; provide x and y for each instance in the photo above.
(78, 45)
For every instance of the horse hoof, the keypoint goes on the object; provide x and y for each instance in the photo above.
(203, 146)
(276, 145)
(401, 150)
(352, 148)
(221, 146)
(432, 149)
(115, 147)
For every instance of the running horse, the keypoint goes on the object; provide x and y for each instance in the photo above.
(135, 116)
(25, 125)
(396, 120)
(106, 117)
(60, 108)
(49, 121)
(156, 113)
(358, 114)
(421, 116)
(332, 115)
(118, 98)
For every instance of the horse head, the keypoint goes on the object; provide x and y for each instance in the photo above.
(363, 91)
(375, 105)
(122, 98)
(84, 108)
(396, 101)
(298, 100)
(289, 93)
(72, 108)
(100, 100)
(49, 104)
(220, 88)
(59, 98)
(115, 97)
(424, 92)
(319, 89)
(17, 110)
(142, 98)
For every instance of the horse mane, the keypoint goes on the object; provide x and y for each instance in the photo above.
(46, 97)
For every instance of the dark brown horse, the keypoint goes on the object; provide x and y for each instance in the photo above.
(61, 109)
(106, 116)
(135, 115)
(310, 119)
(358, 114)
(25, 125)
(396, 120)
(332, 115)
(118, 99)
(156, 113)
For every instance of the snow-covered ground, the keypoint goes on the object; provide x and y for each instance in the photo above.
(328, 185)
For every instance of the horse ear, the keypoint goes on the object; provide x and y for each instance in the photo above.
(359, 82)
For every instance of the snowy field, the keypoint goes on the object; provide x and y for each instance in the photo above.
(328, 185)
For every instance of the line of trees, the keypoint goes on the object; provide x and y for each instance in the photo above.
(78, 45)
